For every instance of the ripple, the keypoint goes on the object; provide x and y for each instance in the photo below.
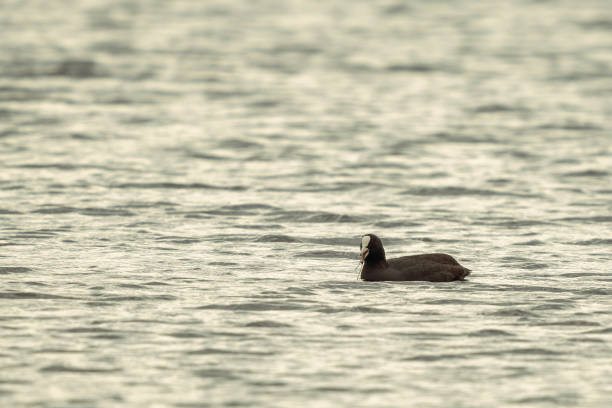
(149, 204)
(61, 166)
(596, 291)
(595, 219)
(96, 330)
(489, 333)
(267, 323)
(4, 211)
(327, 254)
(240, 144)
(250, 206)
(105, 212)
(89, 211)
(21, 94)
(206, 156)
(312, 216)
(256, 307)
(334, 241)
(499, 107)
(570, 125)
(261, 226)
(601, 23)
(77, 68)
(415, 67)
(134, 298)
(582, 274)
(5, 270)
(588, 173)
(523, 263)
(534, 242)
(217, 373)
(31, 295)
(189, 334)
(336, 389)
(593, 242)
(40, 234)
(52, 350)
(222, 263)
(352, 309)
(532, 266)
(579, 323)
(527, 351)
(563, 400)
(60, 368)
(452, 137)
(520, 223)
(277, 238)
(454, 302)
(512, 312)
(178, 186)
(52, 209)
(15, 381)
(178, 240)
(397, 224)
(607, 330)
(536, 288)
(461, 191)
(214, 351)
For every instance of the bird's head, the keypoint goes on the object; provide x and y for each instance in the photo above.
(371, 248)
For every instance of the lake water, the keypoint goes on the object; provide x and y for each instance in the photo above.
(184, 184)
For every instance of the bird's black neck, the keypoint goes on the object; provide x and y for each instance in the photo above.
(371, 265)
(377, 258)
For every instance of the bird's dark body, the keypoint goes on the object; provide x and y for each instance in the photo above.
(426, 267)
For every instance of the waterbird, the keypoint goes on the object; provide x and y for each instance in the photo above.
(425, 267)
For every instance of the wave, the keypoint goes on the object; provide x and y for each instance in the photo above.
(5, 270)
(312, 217)
(453, 191)
(178, 186)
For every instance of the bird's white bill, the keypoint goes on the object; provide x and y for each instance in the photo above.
(365, 241)
(364, 254)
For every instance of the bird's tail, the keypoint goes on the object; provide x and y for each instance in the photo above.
(463, 274)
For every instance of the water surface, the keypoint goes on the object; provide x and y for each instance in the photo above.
(183, 187)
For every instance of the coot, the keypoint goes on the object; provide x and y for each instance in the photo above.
(426, 267)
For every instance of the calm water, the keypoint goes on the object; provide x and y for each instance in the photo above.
(183, 187)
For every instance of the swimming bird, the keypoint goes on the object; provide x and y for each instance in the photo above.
(426, 267)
